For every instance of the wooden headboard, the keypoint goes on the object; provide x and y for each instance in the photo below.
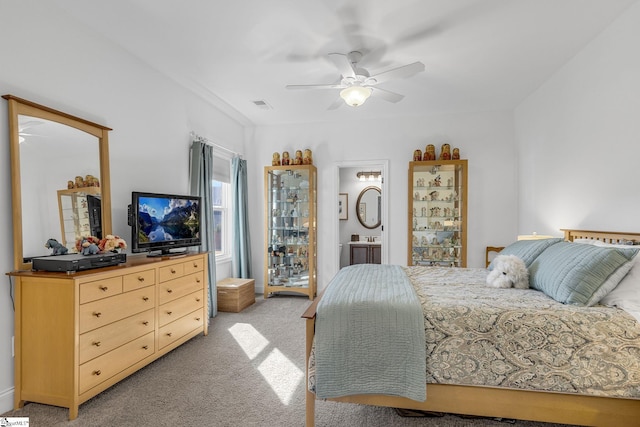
(605, 236)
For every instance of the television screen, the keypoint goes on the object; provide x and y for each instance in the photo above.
(163, 222)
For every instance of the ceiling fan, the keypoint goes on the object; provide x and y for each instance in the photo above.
(357, 84)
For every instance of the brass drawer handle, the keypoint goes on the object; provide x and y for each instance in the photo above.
(104, 288)
(169, 313)
(198, 319)
(140, 279)
(169, 290)
(145, 347)
(98, 372)
(96, 343)
(195, 265)
(145, 298)
(197, 299)
(97, 313)
(173, 271)
(169, 334)
(197, 280)
(145, 322)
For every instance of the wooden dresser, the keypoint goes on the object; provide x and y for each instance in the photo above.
(78, 334)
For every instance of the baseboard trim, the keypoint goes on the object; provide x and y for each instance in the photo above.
(6, 400)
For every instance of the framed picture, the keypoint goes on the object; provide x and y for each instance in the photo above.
(343, 206)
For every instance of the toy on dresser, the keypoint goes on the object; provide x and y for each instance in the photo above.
(56, 247)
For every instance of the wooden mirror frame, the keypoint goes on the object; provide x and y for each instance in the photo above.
(363, 221)
(18, 106)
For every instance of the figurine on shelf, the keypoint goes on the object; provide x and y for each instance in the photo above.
(298, 159)
(429, 152)
(275, 159)
(307, 158)
(445, 152)
(285, 158)
(417, 155)
(456, 154)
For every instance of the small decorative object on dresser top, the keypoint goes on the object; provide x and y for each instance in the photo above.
(234, 295)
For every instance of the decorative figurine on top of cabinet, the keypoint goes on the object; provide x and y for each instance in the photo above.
(429, 153)
(298, 159)
(417, 155)
(456, 154)
(445, 152)
(275, 160)
(285, 158)
(307, 158)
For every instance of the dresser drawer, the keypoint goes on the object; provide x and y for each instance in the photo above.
(180, 287)
(109, 364)
(171, 272)
(176, 330)
(102, 340)
(102, 312)
(193, 266)
(177, 308)
(138, 280)
(99, 289)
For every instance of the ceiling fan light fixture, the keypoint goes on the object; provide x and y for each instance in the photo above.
(355, 95)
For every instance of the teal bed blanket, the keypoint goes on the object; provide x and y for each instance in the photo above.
(370, 335)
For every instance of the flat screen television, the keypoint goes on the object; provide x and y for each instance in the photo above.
(162, 223)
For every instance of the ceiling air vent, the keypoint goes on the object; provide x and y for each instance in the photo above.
(262, 104)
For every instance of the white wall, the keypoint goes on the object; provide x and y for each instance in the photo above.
(486, 139)
(62, 64)
(578, 139)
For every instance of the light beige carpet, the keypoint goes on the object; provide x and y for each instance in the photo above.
(249, 371)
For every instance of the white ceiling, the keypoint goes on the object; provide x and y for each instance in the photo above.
(479, 54)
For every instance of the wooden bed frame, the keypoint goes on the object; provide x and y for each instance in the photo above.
(499, 402)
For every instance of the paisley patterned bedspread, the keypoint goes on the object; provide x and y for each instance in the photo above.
(522, 339)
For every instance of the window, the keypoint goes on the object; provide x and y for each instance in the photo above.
(222, 221)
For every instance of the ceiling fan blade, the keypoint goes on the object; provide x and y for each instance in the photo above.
(396, 73)
(339, 102)
(343, 64)
(321, 86)
(386, 95)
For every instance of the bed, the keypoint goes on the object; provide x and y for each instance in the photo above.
(600, 387)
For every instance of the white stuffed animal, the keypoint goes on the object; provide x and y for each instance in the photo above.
(508, 271)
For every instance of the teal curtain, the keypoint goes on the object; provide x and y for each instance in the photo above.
(242, 246)
(201, 180)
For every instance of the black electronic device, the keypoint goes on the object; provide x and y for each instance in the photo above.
(162, 223)
(94, 206)
(76, 262)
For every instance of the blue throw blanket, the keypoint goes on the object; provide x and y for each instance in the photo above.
(370, 335)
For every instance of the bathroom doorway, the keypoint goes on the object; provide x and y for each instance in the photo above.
(361, 206)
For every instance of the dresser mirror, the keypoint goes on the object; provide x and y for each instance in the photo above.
(368, 207)
(49, 149)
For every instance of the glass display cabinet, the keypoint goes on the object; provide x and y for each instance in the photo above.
(290, 230)
(437, 213)
(80, 214)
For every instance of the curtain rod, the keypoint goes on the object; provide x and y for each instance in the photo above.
(199, 138)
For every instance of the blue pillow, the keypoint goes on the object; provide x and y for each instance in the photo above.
(527, 250)
(572, 273)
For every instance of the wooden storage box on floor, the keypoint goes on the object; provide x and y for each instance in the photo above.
(234, 295)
